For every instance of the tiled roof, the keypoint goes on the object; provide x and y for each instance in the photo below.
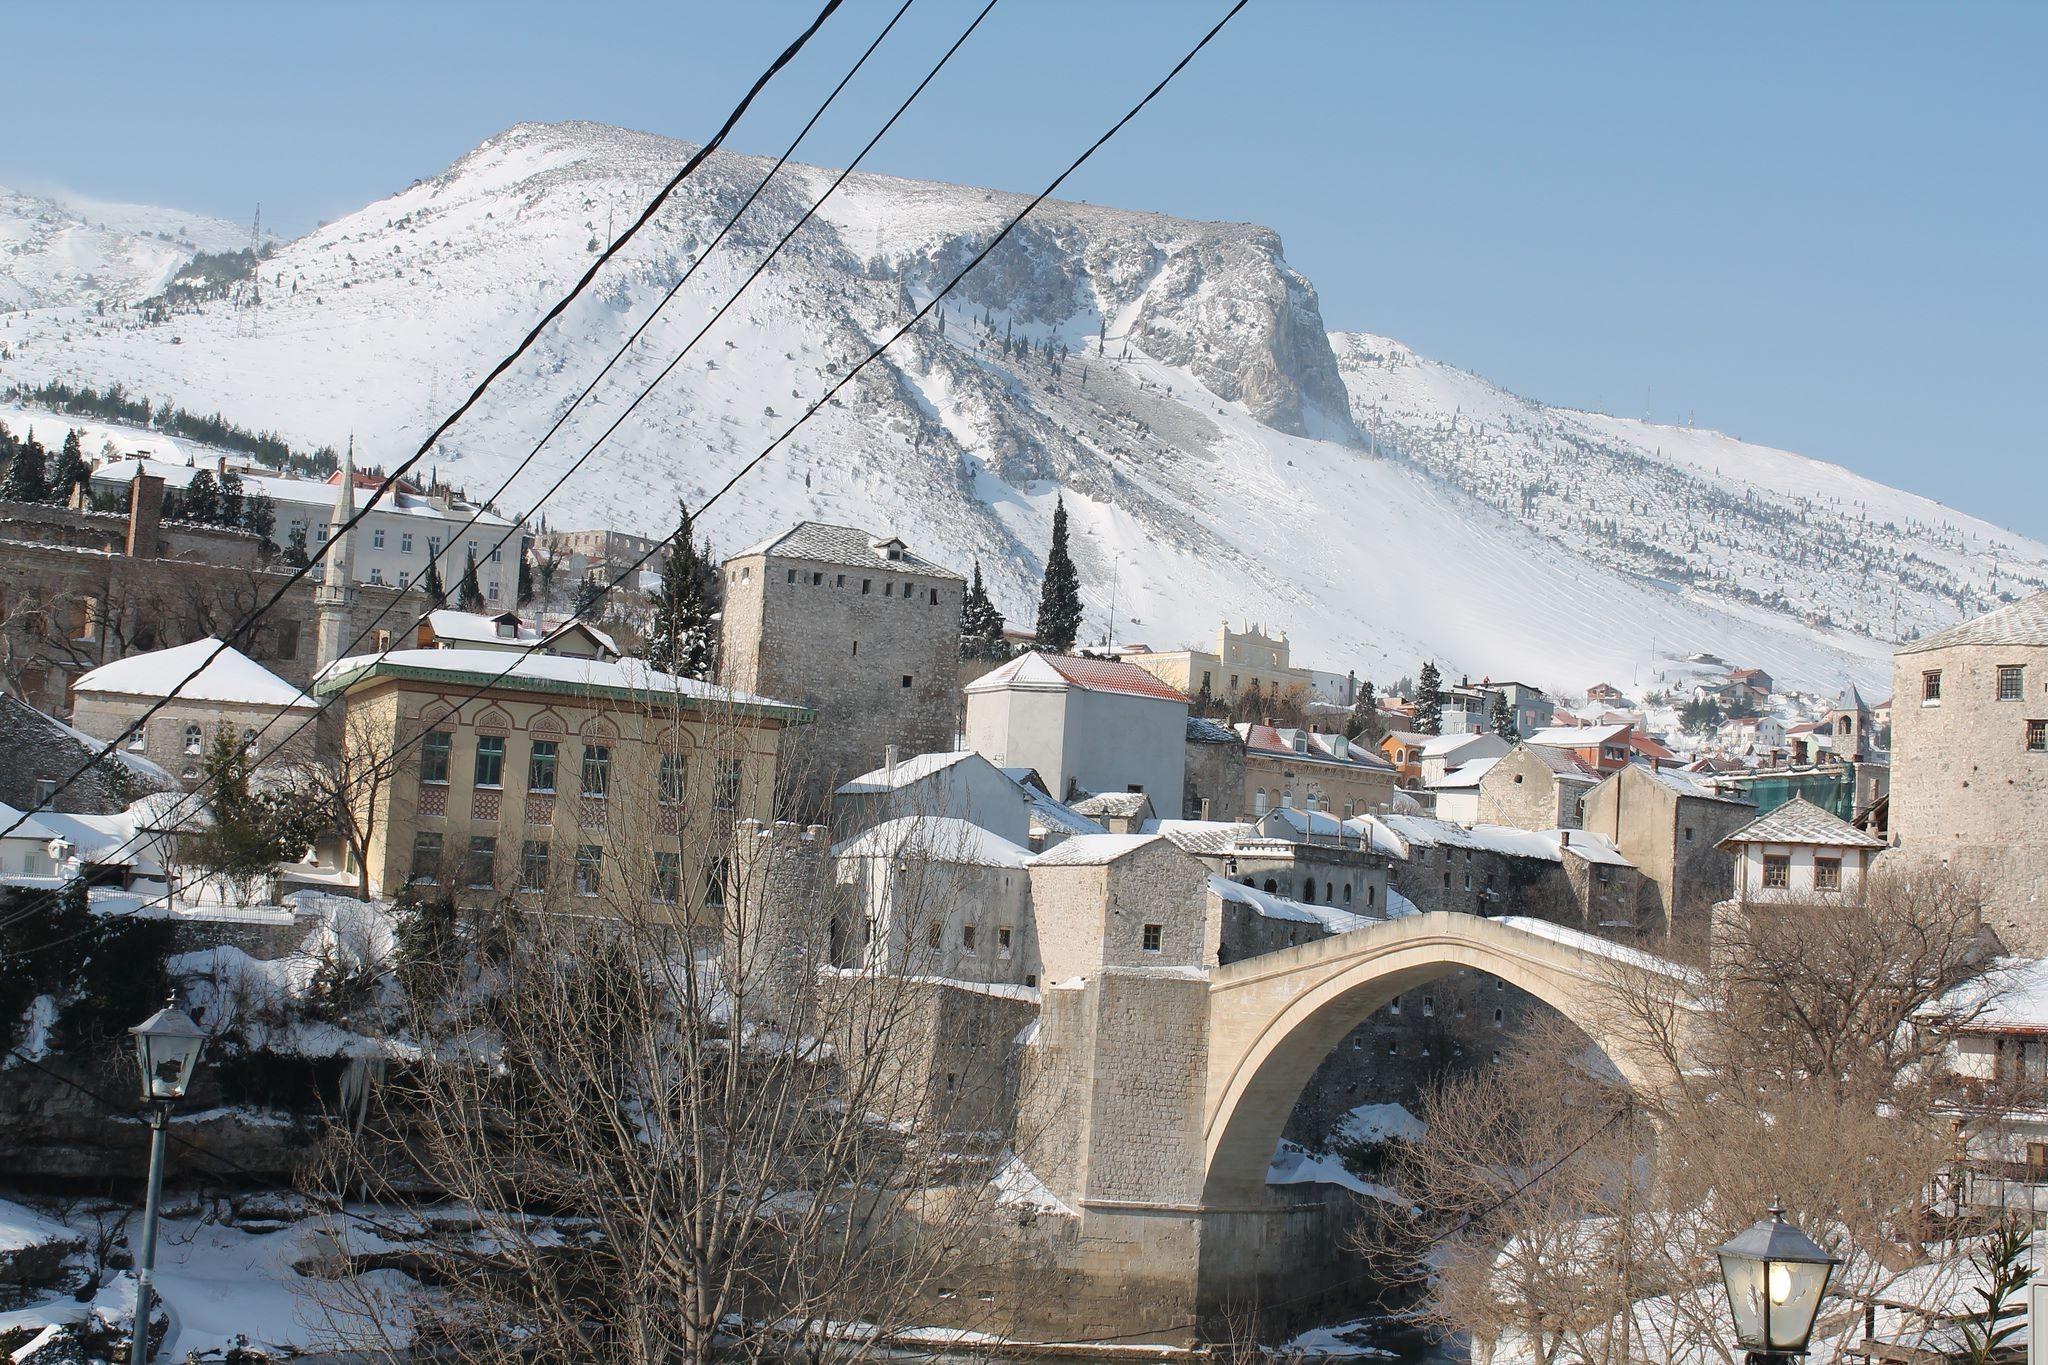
(1202, 836)
(1799, 821)
(1563, 762)
(2024, 622)
(1576, 736)
(1092, 850)
(1052, 672)
(1277, 741)
(1113, 803)
(823, 543)
(1688, 784)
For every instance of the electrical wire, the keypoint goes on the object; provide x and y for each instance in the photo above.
(654, 205)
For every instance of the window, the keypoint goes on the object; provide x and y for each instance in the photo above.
(967, 937)
(2037, 736)
(716, 874)
(1777, 870)
(1498, 1016)
(192, 739)
(889, 588)
(668, 877)
(2012, 682)
(377, 539)
(597, 770)
(490, 760)
(376, 577)
(405, 542)
(1153, 936)
(426, 857)
(1688, 834)
(1429, 1007)
(249, 741)
(839, 580)
(906, 680)
(45, 791)
(433, 547)
(673, 774)
(1930, 685)
(404, 581)
(867, 585)
(1518, 779)
(589, 869)
(935, 597)
(1603, 874)
(540, 768)
(472, 549)
(1827, 874)
(1394, 1006)
(483, 852)
(727, 794)
(792, 576)
(1003, 940)
(491, 590)
(434, 756)
(139, 739)
(533, 865)
(817, 580)
(497, 552)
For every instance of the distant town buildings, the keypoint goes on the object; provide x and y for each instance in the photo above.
(1241, 661)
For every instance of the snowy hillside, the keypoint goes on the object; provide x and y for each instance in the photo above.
(78, 251)
(1212, 458)
(1692, 508)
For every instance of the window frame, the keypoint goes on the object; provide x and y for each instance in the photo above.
(484, 847)
(1930, 687)
(597, 764)
(549, 750)
(1827, 874)
(1777, 872)
(422, 840)
(437, 752)
(495, 753)
(589, 870)
(534, 856)
(1152, 938)
(2016, 674)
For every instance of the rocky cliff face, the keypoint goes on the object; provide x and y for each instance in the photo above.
(1171, 379)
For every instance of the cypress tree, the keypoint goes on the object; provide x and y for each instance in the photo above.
(430, 582)
(71, 471)
(981, 625)
(1429, 701)
(1504, 719)
(25, 481)
(469, 594)
(1364, 720)
(683, 637)
(1059, 598)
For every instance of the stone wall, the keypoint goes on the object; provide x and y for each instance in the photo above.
(1521, 792)
(179, 735)
(1214, 781)
(846, 653)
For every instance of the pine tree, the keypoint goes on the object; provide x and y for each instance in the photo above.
(232, 499)
(71, 471)
(201, 502)
(25, 476)
(1429, 701)
(295, 555)
(683, 638)
(589, 604)
(1059, 598)
(1364, 720)
(1504, 719)
(430, 582)
(259, 516)
(469, 594)
(981, 625)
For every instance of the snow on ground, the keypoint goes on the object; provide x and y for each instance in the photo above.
(1379, 1122)
(1294, 1164)
(1018, 1186)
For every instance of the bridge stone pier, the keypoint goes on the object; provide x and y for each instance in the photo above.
(1154, 1098)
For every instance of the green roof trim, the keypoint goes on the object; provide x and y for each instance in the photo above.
(327, 685)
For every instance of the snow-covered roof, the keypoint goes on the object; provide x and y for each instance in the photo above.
(2010, 998)
(1562, 762)
(448, 624)
(906, 771)
(1799, 821)
(1092, 850)
(1270, 906)
(823, 543)
(1119, 804)
(1689, 785)
(1464, 775)
(1396, 834)
(630, 678)
(233, 677)
(1590, 847)
(1577, 736)
(1311, 746)
(30, 828)
(1059, 672)
(1202, 730)
(1202, 836)
(285, 491)
(939, 838)
(2024, 622)
(1442, 746)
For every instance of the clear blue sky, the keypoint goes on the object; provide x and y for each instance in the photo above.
(1820, 226)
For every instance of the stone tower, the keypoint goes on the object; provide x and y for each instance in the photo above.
(857, 627)
(337, 591)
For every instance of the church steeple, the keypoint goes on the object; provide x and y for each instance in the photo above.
(337, 590)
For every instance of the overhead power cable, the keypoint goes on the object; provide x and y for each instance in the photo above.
(390, 480)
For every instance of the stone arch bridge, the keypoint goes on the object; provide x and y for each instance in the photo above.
(1155, 1098)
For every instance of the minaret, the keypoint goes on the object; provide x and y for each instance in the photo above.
(337, 590)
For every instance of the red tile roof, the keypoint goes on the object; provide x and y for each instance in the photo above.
(1110, 675)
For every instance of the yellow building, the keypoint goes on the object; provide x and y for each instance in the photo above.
(1240, 660)
(566, 778)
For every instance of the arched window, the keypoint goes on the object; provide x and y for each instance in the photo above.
(1259, 801)
(192, 739)
(1347, 893)
(1308, 890)
(1271, 886)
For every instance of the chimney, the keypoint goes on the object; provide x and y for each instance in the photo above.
(889, 752)
(145, 515)
(221, 465)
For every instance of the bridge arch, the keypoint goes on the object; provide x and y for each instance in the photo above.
(1274, 1018)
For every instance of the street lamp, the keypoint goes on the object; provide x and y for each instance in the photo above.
(1775, 1275)
(167, 1049)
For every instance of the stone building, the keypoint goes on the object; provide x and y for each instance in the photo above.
(231, 694)
(1532, 787)
(39, 755)
(1969, 762)
(1671, 824)
(858, 628)
(934, 895)
(578, 777)
(1287, 768)
(604, 555)
(1568, 877)
(1083, 725)
(958, 784)
(1241, 661)
(1800, 852)
(1213, 788)
(1300, 856)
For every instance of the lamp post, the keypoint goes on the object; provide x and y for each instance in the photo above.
(1775, 1276)
(167, 1049)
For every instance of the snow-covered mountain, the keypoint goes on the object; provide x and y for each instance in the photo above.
(72, 251)
(1172, 379)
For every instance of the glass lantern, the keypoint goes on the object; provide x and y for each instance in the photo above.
(1775, 1276)
(167, 1049)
